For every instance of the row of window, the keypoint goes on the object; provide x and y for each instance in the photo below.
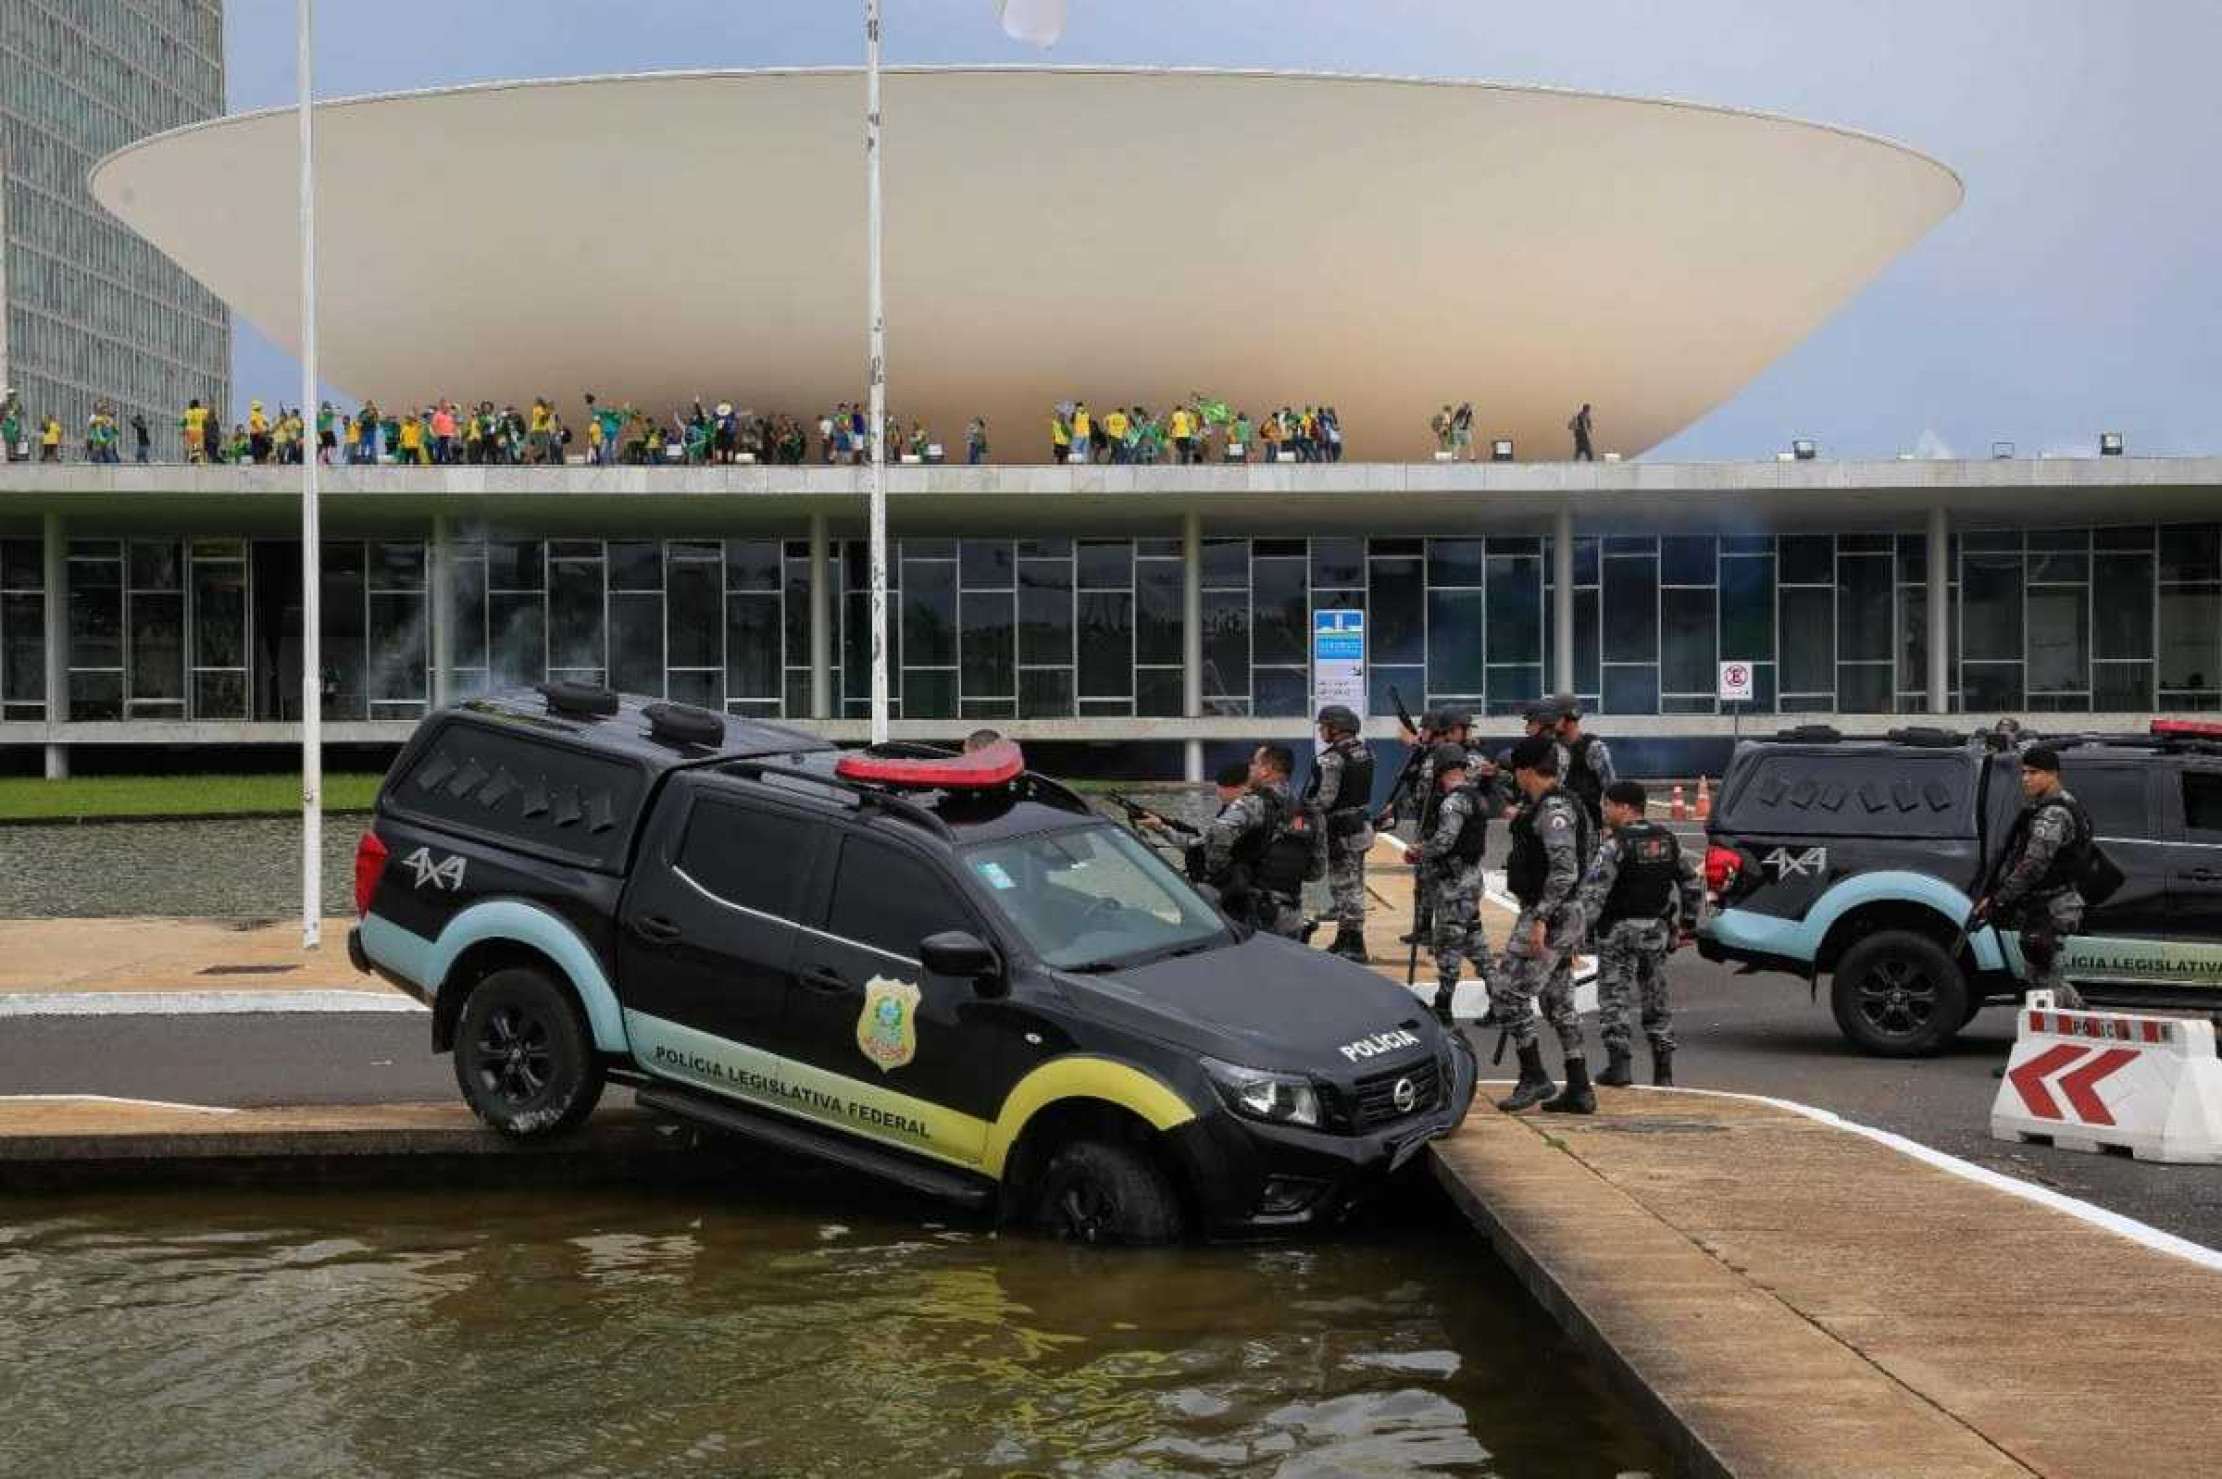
(180, 42)
(69, 228)
(2116, 620)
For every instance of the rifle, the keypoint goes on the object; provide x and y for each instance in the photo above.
(1403, 714)
(1414, 756)
(1137, 813)
(1412, 957)
(1968, 926)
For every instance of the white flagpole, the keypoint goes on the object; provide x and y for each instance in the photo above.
(878, 398)
(312, 678)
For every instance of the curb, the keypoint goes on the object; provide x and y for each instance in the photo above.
(1693, 1456)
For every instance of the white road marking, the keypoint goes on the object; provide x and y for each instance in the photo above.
(112, 1099)
(196, 1003)
(2142, 1233)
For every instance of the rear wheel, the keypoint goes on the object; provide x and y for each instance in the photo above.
(1896, 994)
(1102, 1191)
(522, 1056)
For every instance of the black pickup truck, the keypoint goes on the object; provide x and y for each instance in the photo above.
(1860, 860)
(938, 969)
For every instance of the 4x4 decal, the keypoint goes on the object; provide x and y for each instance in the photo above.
(1786, 864)
(443, 873)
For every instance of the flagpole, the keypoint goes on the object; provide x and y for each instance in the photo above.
(312, 679)
(878, 398)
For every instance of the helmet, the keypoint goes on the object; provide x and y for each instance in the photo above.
(1568, 706)
(1339, 718)
(1449, 757)
(1457, 719)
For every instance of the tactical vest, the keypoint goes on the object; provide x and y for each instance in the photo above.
(1473, 836)
(1354, 800)
(1529, 867)
(1288, 849)
(2067, 864)
(1650, 872)
(1583, 783)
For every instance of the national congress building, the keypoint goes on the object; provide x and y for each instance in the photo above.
(1382, 246)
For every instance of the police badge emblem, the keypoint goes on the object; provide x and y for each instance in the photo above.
(887, 1029)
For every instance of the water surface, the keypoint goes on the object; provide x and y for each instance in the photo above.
(539, 1332)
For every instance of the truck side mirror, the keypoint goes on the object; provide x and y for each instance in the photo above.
(966, 956)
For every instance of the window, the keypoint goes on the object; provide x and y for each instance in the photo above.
(890, 899)
(748, 856)
(2202, 801)
(2116, 796)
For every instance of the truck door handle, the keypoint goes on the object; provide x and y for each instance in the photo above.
(657, 930)
(824, 978)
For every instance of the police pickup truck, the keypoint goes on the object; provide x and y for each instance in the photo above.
(937, 969)
(1860, 859)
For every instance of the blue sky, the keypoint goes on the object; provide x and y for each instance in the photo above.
(2077, 289)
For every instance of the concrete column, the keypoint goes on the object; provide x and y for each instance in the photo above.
(440, 571)
(1562, 601)
(821, 622)
(57, 641)
(1192, 636)
(1940, 611)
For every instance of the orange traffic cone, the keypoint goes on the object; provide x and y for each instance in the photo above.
(1680, 810)
(1704, 800)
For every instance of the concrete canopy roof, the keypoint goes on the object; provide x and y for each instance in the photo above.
(1112, 235)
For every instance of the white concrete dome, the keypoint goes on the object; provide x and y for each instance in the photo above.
(1381, 245)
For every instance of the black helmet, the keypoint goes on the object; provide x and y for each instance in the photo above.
(1457, 719)
(1339, 718)
(1568, 706)
(1449, 757)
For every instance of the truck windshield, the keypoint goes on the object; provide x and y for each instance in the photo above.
(1093, 897)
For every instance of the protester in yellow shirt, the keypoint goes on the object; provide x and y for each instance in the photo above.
(412, 439)
(1083, 431)
(1060, 437)
(1184, 435)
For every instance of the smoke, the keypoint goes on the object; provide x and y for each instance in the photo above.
(1932, 447)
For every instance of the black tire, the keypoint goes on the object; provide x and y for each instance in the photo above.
(1896, 994)
(1102, 1191)
(522, 1056)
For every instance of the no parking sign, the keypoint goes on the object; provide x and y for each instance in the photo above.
(1735, 682)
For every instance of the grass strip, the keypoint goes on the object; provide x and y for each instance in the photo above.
(29, 798)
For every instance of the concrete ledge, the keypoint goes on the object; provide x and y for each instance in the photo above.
(71, 1143)
(1783, 1297)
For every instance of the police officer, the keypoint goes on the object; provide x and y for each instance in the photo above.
(1550, 843)
(1415, 799)
(1449, 859)
(1641, 899)
(1341, 786)
(2034, 887)
(1586, 765)
(1540, 717)
(1251, 838)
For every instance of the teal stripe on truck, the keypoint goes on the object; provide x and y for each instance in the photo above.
(427, 962)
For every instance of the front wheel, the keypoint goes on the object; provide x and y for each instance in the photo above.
(1100, 1191)
(522, 1058)
(1896, 994)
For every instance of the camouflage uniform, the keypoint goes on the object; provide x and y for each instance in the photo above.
(1346, 853)
(1455, 882)
(1632, 953)
(1233, 843)
(1527, 979)
(2044, 910)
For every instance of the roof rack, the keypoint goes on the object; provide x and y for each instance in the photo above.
(782, 769)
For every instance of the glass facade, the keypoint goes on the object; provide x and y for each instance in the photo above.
(93, 312)
(2124, 619)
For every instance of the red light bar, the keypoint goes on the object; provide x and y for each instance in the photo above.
(2197, 728)
(998, 764)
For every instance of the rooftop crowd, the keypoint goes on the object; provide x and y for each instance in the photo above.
(451, 433)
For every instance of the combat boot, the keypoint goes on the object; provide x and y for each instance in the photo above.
(1662, 1066)
(1577, 1097)
(1416, 937)
(1618, 1063)
(1534, 1086)
(1350, 945)
(1445, 993)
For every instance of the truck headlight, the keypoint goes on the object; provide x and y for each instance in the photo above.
(1276, 1098)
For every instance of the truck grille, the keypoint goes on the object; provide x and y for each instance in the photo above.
(1377, 1100)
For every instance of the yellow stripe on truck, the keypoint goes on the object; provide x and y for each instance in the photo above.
(879, 1113)
(1080, 1077)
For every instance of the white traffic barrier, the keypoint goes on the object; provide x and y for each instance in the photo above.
(2089, 1080)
